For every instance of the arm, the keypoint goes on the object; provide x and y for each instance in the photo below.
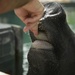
(29, 11)
(6, 5)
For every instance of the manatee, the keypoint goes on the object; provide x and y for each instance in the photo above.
(53, 50)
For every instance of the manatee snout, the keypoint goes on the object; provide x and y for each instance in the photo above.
(41, 42)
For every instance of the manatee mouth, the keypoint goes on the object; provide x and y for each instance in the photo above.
(41, 41)
(42, 33)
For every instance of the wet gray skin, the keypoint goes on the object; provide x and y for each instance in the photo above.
(54, 32)
(41, 41)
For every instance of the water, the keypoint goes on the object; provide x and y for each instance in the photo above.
(26, 48)
(72, 27)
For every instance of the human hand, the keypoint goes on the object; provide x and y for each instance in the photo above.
(30, 14)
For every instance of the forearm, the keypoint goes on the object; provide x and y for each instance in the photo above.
(6, 5)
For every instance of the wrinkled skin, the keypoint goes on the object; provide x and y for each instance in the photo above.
(53, 51)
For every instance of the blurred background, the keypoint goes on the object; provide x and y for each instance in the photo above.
(11, 18)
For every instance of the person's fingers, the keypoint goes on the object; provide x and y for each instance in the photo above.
(28, 17)
(35, 30)
(33, 18)
(32, 27)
